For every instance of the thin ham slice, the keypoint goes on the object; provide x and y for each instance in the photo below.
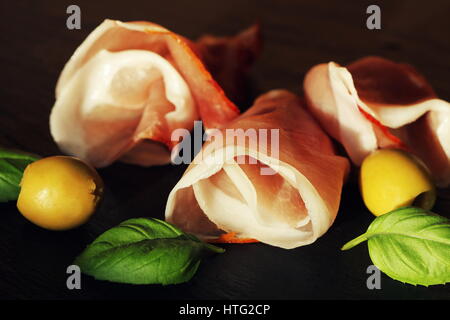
(129, 85)
(282, 191)
(377, 103)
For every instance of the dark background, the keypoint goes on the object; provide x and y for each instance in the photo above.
(35, 44)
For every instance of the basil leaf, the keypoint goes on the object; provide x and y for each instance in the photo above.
(144, 251)
(12, 165)
(411, 245)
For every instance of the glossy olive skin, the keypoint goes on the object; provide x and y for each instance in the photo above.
(390, 179)
(59, 193)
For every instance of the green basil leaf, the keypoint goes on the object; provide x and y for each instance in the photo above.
(411, 245)
(144, 251)
(12, 165)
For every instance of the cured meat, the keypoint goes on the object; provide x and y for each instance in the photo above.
(229, 60)
(129, 85)
(283, 189)
(376, 103)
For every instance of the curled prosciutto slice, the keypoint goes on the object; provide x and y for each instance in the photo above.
(276, 180)
(129, 85)
(376, 103)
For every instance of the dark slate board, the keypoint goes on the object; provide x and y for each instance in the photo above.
(298, 34)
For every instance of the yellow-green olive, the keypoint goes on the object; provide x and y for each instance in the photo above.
(390, 179)
(59, 192)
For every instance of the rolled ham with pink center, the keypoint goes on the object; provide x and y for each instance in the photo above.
(129, 85)
(284, 191)
(377, 103)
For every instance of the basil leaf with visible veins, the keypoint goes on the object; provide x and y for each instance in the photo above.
(12, 165)
(410, 244)
(144, 251)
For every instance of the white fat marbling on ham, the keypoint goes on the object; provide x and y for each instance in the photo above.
(116, 89)
(127, 87)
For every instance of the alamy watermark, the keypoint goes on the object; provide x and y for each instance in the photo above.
(374, 20)
(74, 279)
(374, 280)
(224, 146)
(74, 19)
